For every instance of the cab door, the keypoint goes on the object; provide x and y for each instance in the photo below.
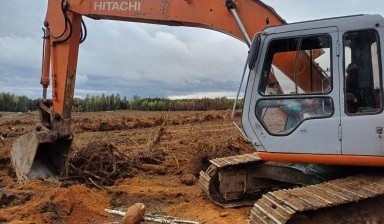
(291, 103)
(362, 116)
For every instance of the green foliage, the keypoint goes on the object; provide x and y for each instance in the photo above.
(14, 103)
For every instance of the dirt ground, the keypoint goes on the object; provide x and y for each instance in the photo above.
(156, 150)
(121, 158)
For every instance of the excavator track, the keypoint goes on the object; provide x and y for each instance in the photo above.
(207, 178)
(279, 191)
(240, 180)
(277, 207)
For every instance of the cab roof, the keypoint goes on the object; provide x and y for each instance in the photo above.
(354, 22)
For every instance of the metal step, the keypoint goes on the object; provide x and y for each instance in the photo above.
(235, 160)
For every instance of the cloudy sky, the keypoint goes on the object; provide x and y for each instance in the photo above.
(143, 59)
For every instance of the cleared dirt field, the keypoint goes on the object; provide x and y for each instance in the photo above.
(121, 158)
(150, 152)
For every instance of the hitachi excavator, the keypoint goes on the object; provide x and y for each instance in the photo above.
(313, 105)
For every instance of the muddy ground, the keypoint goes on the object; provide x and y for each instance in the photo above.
(120, 158)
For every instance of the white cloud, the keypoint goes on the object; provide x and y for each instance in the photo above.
(20, 51)
(135, 58)
(132, 52)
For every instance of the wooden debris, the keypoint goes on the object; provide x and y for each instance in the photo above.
(98, 186)
(153, 168)
(160, 132)
(177, 162)
(157, 218)
(2, 140)
(224, 214)
(135, 214)
(188, 179)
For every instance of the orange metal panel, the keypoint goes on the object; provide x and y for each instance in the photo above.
(347, 160)
(211, 14)
(64, 62)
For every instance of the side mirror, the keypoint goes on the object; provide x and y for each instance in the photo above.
(252, 55)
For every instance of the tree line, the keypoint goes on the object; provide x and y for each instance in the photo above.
(11, 102)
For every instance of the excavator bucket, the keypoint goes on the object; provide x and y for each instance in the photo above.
(37, 155)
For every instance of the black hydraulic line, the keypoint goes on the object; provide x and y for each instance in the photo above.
(68, 36)
(65, 18)
(68, 23)
(83, 36)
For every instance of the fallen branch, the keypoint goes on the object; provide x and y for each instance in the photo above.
(98, 186)
(156, 218)
(118, 150)
(130, 139)
(161, 131)
(166, 118)
(177, 162)
(2, 140)
(167, 219)
(115, 212)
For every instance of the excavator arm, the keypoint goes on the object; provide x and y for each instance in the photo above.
(42, 152)
(65, 17)
(63, 29)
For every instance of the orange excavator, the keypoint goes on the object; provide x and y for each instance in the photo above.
(40, 153)
(311, 86)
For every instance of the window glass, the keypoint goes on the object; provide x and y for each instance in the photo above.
(282, 116)
(297, 65)
(363, 92)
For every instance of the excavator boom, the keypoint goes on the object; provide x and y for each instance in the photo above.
(65, 30)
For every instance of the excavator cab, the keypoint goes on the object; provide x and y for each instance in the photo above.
(314, 92)
(312, 109)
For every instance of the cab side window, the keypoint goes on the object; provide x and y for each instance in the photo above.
(363, 89)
